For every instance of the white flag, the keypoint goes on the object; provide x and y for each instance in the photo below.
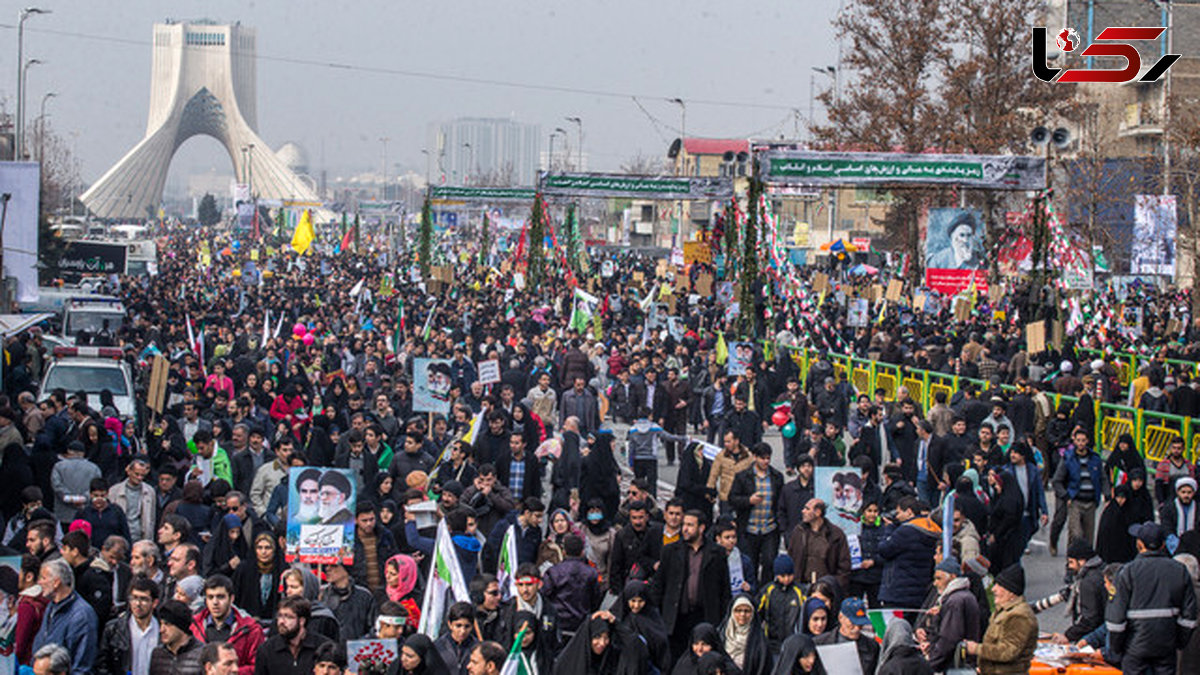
(506, 571)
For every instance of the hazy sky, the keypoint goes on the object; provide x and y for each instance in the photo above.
(97, 58)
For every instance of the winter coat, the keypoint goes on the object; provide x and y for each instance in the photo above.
(1151, 583)
(385, 548)
(149, 511)
(868, 649)
(354, 609)
(116, 647)
(724, 469)
(908, 562)
(868, 542)
(1007, 646)
(744, 487)
(820, 553)
(275, 657)
(792, 499)
(186, 662)
(245, 638)
(247, 587)
(631, 548)
(957, 620)
(669, 585)
(71, 623)
(780, 608)
(572, 587)
(1088, 600)
(533, 472)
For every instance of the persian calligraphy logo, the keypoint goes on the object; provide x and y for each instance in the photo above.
(1112, 41)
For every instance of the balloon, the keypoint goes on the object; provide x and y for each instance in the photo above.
(299, 330)
(780, 418)
(789, 430)
(308, 339)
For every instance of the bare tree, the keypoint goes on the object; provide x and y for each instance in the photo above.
(505, 176)
(641, 165)
(1184, 133)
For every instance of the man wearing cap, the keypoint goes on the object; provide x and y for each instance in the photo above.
(1153, 612)
(1086, 595)
(851, 620)
(955, 616)
(72, 477)
(1179, 515)
(1011, 637)
(179, 653)
(334, 492)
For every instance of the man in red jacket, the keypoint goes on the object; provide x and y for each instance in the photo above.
(220, 621)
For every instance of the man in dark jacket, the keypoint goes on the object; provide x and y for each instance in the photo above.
(529, 599)
(851, 620)
(373, 547)
(691, 585)
(675, 414)
(454, 645)
(1086, 597)
(117, 650)
(755, 499)
(572, 587)
(528, 521)
(352, 604)
(93, 577)
(626, 398)
(956, 619)
(781, 604)
(489, 445)
(795, 494)
(179, 653)
(519, 469)
(292, 649)
(818, 547)
(1153, 612)
(908, 556)
(745, 424)
(635, 549)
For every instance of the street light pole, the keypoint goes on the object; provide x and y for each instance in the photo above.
(250, 170)
(470, 163)
(19, 124)
(42, 127)
(680, 169)
(24, 85)
(550, 158)
(578, 121)
(383, 193)
(567, 147)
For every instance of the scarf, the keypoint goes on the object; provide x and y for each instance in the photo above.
(736, 574)
(406, 568)
(1185, 519)
(737, 636)
(265, 568)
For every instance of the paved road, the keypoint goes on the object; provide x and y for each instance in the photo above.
(1043, 574)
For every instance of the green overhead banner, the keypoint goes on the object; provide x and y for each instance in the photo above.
(995, 172)
(481, 194)
(637, 187)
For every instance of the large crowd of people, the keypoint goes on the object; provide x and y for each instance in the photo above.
(157, 545)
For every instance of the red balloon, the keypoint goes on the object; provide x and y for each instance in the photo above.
(780, 418)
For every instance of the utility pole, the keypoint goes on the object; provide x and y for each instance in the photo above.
(19, 125)
(383, 191)
(680, 169)
(578, 122)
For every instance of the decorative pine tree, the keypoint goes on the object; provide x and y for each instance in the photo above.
(425, 245)
(573, 240)
(731, 238)
(537, 236)
(485, 240)
(749, 262)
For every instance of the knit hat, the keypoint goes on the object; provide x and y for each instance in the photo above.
(177, 614)
(949, 566)
(1080, 550)
(453, 487)
(1012, 579)
(784, 565)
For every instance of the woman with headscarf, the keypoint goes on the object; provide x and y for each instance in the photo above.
(1124, 457)
(982, 492)
(300, 582)
(798, 656)
(900, 654)
(227, 548)
(400, 576)
(190, 591)
(641, 620)
(535, 653)
(598, 537)
(594, 651)
(704, 640)
(1142, 509)
(193, 509)
(599, 477)
(418, 656)
(816, 617)
(1005, 538)
(1113, 543)
(743, 637)
(256, 586)
(550, 551)
(528, 425)
(967, 501)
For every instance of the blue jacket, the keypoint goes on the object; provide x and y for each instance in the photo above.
(908, 563)
(1095, 468)
(71, 624)
(1036, 505)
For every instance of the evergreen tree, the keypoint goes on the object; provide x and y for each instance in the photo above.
(573, 240)
(749, 263)
(485, 243)
(537, 236)
(207, 213)
(425, 245)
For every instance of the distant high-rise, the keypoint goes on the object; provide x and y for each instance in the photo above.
(474, 150)
(202, 82)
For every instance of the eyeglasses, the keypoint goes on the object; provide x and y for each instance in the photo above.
(492, 592)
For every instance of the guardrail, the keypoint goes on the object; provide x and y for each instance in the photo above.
(1152, 432)
(1127, 364)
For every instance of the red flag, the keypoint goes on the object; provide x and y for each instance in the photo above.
(346, 240)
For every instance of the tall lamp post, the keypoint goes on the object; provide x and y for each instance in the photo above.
(383, 193)
(550, 157)
(42, 126)
(578, 122)
(470, 163)
(680, 169)
(19, 127)
(24, 84)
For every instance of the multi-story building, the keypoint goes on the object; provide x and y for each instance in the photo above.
(473, 150)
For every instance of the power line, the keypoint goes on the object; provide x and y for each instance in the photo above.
(441, 77)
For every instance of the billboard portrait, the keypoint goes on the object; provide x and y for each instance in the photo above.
(1154, 225)
(320, 516)
(955, 239)
(740, 358)
(841, 488)
(431, 386)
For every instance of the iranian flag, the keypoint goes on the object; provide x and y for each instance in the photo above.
(517, 663)
(585, 307)
(506, 571)
(446, 577)
(196, 343)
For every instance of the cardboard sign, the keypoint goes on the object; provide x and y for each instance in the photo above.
(682, 282)
(158, 384)
(875, 293)
(671, 304)
(820, 283)
(895, 289)
(918, 302)
(962, 309)
(489, 371)
(995, 293)
(254, 254)
(704, 285)
(1035, 337)
(697, 252)
(662, 269)
(677, 257)
(505, 267)
(1057, 333)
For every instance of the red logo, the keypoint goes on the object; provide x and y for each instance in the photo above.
(1112, 41)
